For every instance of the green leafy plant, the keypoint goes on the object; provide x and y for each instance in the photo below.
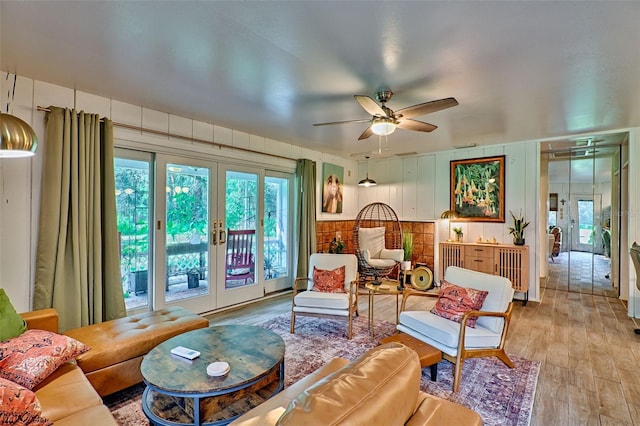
(519, 224)
(336, 246)
(407, 245)
(458, 230)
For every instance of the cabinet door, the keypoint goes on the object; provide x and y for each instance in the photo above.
(450, 255)
(513, 263)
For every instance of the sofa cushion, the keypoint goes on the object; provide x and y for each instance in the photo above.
(455, 301)
(388, 374)
(126, 338)
(371, 239)
(11, 323)
(31, 357)
(66, 392)
(445, 332)
(329, 281)
(19, 405)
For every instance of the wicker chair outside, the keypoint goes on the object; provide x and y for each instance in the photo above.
(372, 216)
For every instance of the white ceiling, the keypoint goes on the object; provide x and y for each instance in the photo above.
(521, 70)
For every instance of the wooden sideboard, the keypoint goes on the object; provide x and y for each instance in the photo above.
(508, 261)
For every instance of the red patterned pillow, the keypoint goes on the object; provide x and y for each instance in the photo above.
(329, 281)
(31, 357)
(19, 405)
(454, 301)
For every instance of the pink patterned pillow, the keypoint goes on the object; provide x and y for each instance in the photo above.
(454, 301)
(329, 281)
(31, 357)
(19, 405)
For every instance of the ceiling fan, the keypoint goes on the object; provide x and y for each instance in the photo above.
(384, 120)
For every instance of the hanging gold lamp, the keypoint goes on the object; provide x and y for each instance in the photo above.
(17, 138)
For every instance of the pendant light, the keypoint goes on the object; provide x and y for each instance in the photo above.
(17, 138)
(367, 182)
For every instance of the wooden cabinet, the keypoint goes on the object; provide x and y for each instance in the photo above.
(508, 261)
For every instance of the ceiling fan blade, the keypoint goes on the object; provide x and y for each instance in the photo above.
(418, 126)
(331, 123)
(426, 108)
(370, 105)
(368, 132)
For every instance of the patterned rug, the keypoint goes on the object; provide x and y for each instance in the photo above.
(502, 396)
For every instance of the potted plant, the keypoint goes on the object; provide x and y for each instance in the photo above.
(459, 234)
(517, 230)
(336, 246)
(407, 246)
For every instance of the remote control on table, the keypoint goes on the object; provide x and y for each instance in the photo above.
(185, 352)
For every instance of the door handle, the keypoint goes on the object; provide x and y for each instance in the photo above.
(214, 233)
(223, 236)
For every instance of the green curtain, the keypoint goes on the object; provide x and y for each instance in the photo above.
(77, 259)
(306, 190)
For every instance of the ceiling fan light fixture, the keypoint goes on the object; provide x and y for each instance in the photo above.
(17, 138)
(383, 126)
(367, 182)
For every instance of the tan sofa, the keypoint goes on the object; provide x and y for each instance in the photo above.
(381, 387)
(66, 396)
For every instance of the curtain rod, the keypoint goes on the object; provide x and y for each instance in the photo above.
(188, 138)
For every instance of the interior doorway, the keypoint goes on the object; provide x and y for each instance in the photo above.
(583, 187)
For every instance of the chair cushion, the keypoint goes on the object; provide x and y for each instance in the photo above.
(329, 281)
(443, 333)
(455, 301)
(11, 323)
(395, 254)
(371, 239)
(19, 405)
(498, 299)
(31, 357)
(316, 299)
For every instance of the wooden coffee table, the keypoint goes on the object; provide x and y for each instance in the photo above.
(179, 391)
(427, 354)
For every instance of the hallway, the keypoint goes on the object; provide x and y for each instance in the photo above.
(581, 267)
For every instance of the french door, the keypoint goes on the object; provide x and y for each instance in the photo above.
(186, 246)
(200, 233)
(239, 231)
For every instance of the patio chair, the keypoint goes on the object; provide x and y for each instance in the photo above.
(240, 259)
(458, 341)
(308, 302)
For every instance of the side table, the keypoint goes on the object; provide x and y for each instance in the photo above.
(386, 287)
(427, 354)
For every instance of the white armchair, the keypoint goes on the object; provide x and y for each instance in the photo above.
(456, 340)
(315, 303)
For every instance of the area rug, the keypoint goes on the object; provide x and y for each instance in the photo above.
(502, 396)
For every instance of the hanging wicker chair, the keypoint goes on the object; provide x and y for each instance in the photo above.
(373, 218)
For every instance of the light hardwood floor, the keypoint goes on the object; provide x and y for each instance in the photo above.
(590, 372)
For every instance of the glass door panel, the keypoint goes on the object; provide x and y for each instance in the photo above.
(240, 280)
(133, 201)
(186, 260)
(276, 232)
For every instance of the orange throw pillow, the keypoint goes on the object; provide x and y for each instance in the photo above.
(454, 301)
(31, 357)
(19, 405)
(329, 281)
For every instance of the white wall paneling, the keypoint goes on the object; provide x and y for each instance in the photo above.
(409, 185)
(425, 187)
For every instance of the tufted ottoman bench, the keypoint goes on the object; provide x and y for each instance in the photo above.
(117, 346)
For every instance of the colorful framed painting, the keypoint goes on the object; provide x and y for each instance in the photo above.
(332, 187)
(477, 189)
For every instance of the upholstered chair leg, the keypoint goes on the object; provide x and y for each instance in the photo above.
(350, 334)
(293, 322)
